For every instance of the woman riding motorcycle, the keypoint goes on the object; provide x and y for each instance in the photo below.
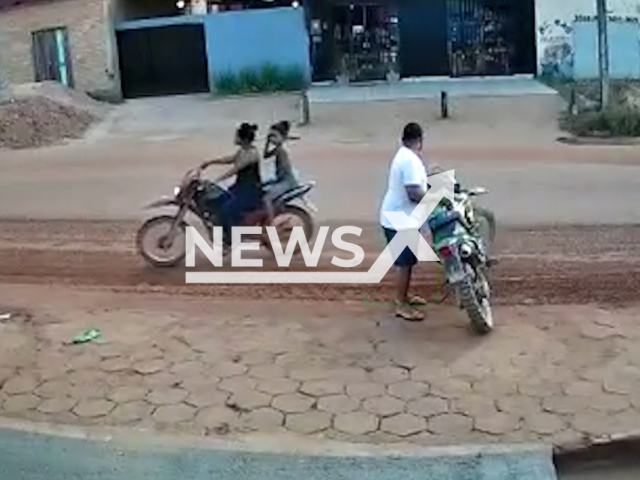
(246, 194)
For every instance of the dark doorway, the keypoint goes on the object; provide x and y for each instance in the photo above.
(51, 58)
(423, 38)
(168, 60)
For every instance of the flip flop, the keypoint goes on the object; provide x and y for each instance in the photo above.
(417, 301)
(410, 315)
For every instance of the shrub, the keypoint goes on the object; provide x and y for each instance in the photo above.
(267, 78)
(617, 121)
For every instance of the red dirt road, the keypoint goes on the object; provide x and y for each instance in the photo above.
(548, 265)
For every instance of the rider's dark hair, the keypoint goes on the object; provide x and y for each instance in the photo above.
(411, 133)
(247, 132)
(282, 127)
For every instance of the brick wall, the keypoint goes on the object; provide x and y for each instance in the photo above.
(90, 44)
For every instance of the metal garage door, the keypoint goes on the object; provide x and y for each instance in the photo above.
(163, 61)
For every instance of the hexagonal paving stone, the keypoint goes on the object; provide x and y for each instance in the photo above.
(57, 405)
(238, 384)
(20, 403)
(451, 388)
(606, 402)
(228, 369)
(91, 390)
(293, 403)
(249, 399)
(474, 405)
(148, 367)
(127, 394)
(130, 412)
(319, 388)
(53, 389)
(497, 424)
(277, 386)
(408, 390)
(383, 406)
(365, 390)
(20, 384)
(565, 404)
(593, 423)
(265, 372)
(166, 396)
(306, 374)
(117, 364)
(544, 423)
(450, 424)
(403, 425)
(519, 405)
(262, 419)
(207, 397)
(389, 375)
(338, 404)
(93, 408)
(308, 422)
(583, 388)
(217, 417)
(356, 423)
(172, 414)
(428, 406)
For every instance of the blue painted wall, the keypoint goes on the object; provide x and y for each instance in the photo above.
(624, 50)
(245, 39)
(251, 38)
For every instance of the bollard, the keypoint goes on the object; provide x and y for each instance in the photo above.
(306, 114)
(444, 104)
(573, 103)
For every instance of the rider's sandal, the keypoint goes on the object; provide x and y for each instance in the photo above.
(417, 301)
(409, 314)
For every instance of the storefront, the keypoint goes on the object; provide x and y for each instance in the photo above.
(363, 40)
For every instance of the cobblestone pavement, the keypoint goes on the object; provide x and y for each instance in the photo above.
(347, 372)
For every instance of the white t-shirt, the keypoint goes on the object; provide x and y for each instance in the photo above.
(406, 169)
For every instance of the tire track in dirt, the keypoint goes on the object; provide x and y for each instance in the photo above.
(551, 265)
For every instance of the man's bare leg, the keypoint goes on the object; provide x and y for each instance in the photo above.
(403, 309)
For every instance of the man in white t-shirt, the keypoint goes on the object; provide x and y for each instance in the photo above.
(406, 188)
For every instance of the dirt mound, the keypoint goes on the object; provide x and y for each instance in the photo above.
(39, 121)
(60, 94)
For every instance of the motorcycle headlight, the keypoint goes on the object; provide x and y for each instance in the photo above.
(176, 191)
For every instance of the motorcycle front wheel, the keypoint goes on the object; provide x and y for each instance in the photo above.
(155, 245)
(486, 221)
(477, 306)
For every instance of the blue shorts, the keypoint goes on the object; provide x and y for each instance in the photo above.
(406, 258)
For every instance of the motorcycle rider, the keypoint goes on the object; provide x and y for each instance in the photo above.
(246, 193)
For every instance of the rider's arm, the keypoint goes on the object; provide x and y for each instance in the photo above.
(241, 161)
(218, 161)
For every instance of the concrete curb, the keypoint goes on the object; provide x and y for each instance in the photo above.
(593, 141)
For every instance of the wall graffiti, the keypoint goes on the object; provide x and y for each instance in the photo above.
(555, 43)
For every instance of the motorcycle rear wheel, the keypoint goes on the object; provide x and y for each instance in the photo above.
(478, 309)
(148, 242)
(285, 229)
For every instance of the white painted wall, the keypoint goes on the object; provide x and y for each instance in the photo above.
(552, 16)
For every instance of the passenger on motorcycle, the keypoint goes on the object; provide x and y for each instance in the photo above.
(246, 193)
(285, 177)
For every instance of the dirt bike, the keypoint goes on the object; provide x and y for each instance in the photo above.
(462, 236)
(161, 239)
